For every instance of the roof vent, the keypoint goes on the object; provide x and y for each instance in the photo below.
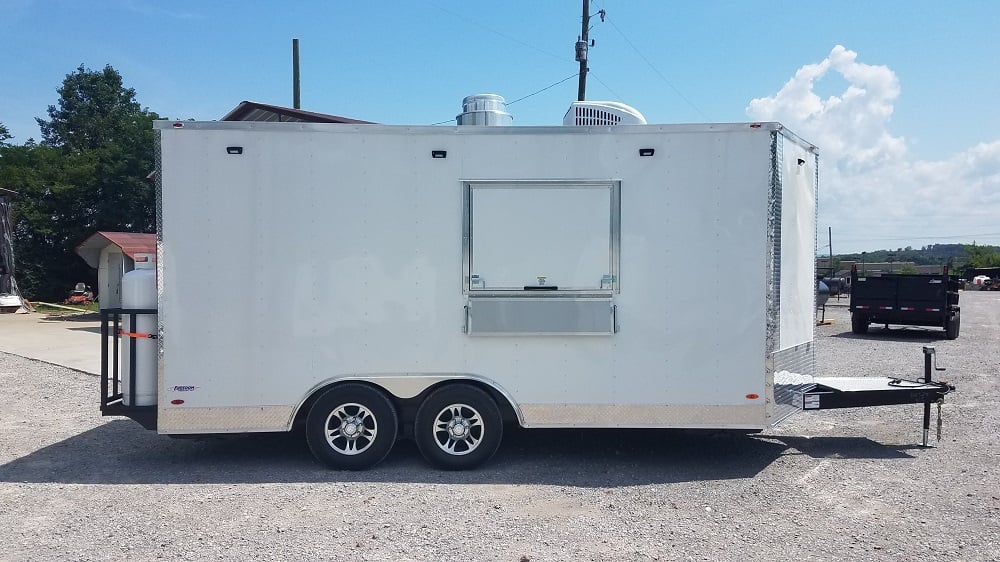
(484, 109)
(602, 114)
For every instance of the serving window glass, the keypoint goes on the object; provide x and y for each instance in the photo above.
(542, 238)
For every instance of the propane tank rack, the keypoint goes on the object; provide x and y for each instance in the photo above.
(113, 401)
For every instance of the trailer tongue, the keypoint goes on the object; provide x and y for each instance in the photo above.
(827, 393)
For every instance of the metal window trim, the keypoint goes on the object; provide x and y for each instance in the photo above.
(593, 302)
(614, 236)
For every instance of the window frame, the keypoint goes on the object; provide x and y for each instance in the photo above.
(614, 236)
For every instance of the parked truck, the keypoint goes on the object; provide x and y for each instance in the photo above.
(905, 299)
(369, 282)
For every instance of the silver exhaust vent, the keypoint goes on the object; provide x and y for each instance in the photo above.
(484, 109)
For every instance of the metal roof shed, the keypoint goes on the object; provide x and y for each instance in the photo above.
(113, 254)
(256, 111)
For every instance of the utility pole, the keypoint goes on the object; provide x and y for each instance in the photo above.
(829, 231)
(295, 74)
(582, 45)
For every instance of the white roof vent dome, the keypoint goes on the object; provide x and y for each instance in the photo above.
(602, 114)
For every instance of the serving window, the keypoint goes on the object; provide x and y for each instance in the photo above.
(542, 238)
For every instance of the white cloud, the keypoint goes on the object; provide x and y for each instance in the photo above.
(872, 192)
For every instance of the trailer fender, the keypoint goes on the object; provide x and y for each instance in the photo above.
(404, 387)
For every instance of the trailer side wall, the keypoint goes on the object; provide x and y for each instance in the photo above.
(325, 252)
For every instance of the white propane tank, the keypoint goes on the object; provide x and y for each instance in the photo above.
(139, 291)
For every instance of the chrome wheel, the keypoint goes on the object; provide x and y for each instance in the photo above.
(352, 426)
(458, 429)
(351, 429)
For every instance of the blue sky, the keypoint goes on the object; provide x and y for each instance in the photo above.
(900, 96)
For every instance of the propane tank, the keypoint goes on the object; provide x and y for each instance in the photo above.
(139, 292)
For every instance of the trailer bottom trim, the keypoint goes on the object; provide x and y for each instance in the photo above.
(725, 416)
(235, 419)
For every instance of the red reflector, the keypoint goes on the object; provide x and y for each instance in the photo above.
(752, 396)
(177, 402)
(178, 125)
(755, 126)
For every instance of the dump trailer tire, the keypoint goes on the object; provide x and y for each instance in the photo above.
(458, 427)
(352, 427)
(859, 323)
(952, 327)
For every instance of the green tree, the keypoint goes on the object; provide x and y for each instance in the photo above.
(88, 174)
(982, 256)
(95, 110)
(46, 211)
(98, 116)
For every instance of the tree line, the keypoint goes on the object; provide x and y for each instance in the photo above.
(955, 256)
(88, 173)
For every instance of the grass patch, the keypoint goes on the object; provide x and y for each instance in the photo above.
(55, 311)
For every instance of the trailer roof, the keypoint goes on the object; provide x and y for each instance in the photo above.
(372, 128)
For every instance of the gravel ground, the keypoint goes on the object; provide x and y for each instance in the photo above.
(847, 484)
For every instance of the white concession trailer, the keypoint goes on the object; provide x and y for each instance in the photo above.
(370, 282)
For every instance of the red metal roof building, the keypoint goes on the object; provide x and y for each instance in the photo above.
(256, 111)
(113, 254)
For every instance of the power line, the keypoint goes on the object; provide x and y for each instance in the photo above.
(571, 76)
(613, 93)
(550, 86)
(656, 70)
(919, 237)
(498, 33)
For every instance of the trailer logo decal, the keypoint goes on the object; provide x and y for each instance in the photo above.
(183, 388)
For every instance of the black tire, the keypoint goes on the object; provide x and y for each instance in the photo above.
(458, 427)
(952, 327)
(859, 323)
(351, 427)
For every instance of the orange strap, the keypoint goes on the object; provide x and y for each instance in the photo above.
(136, 335)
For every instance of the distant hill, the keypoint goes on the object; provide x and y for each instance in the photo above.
(953, 254)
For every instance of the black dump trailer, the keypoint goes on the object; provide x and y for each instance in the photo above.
(905, 299)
